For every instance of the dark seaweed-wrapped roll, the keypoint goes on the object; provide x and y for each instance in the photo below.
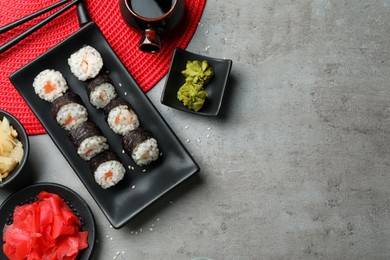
(101, 91)
(69, 110)
(120, 116)
(88, 140)
(141, 146)
(107, 169)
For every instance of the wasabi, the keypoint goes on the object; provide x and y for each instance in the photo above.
(192, 95)
(197, 75)
(198, 72)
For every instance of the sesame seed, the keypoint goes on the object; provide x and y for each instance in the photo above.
(207, 32)
(133, 187)
(186, 127)
(209, 128)
(144, 170)
(188, 140)
(120, 84)
(151, 229)
(125, 93)
(207, 136)
(123, 151)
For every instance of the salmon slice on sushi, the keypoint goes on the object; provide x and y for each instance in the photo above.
(141, 146)
(88, 140)
(69, 111)
(50, 84)
(120, 116)
(107, 169)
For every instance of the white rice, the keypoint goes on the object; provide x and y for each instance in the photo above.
(145, 152)
(92, 146)
(109, 173)
(71, 115)
(85, 63)
(122, 120)
(50, 84)
(102, 95)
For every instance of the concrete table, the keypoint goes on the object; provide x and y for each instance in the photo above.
(296, 166)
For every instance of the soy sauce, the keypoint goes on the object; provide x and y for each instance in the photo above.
(150, 8)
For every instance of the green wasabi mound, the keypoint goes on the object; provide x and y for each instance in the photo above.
(198, 72)
(192, 95)
(197, 75)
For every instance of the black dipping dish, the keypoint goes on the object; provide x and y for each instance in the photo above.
(215, 88)
(17, 177)
(78, 205)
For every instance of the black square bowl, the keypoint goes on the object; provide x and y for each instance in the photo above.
(215, 88)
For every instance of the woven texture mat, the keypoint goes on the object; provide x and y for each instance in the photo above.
(147, 69)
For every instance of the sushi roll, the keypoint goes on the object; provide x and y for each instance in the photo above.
(107, 169)
(141, 146)
(85, 63)
(120, 116)
(101, 91)
(50, 84)
(88, 140)
(69, 110)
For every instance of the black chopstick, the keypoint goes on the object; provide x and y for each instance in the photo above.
(32, 29)
(31, 16)
(82, 14)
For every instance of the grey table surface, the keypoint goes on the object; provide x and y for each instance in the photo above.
(296, 165)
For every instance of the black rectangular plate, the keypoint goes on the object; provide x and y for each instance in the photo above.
(141, 185)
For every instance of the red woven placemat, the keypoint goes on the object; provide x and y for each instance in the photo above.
(147, 69)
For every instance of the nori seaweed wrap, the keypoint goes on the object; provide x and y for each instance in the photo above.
(141, 146)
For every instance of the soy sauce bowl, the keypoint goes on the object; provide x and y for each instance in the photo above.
(215, 87)
(15, 177)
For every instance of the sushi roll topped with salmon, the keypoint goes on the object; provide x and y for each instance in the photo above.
(107, 169)
(69, 111)
(85, 63)
(120, 116)
(101, 91)
(88, 140)
(49, 85)
(141, 146)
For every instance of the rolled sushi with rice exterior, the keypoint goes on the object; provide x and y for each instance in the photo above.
(107, 169)
(101, 91)
(50, 84)
(69, 111)
(85, 63)
(141, 146)
(88, 140)
(120, 116)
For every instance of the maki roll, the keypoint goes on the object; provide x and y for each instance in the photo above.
(101, 91)
(69, 110)
(120, 116)
(49, 85)
(107, 169)
(86, 63)
(88, 140)
(141, 146)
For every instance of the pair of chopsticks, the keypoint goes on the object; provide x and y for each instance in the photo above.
(82, 14)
